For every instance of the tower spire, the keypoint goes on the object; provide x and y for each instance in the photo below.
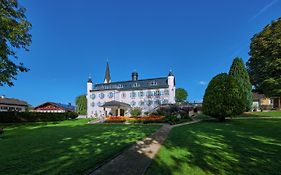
(107, 78)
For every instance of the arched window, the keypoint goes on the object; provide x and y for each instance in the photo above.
(101, 95)
(93, 96)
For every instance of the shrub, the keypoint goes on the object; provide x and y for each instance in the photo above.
(223, 97)
(17, 117)
(135, 112)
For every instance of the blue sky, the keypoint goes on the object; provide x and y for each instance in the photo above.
(72, 39)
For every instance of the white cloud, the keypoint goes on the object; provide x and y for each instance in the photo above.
(202, 82)
(264, 9)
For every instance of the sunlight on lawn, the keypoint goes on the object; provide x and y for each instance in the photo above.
(235, 147)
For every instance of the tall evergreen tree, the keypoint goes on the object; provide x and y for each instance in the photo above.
(238, 71)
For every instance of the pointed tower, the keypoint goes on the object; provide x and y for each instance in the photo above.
(172, 87)
(107, 78)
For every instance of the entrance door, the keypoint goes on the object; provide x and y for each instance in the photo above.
(122, 112)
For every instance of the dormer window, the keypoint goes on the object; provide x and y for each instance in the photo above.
(136, 85)
(153, 83)
(120, 86)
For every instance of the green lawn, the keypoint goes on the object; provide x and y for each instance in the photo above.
(69, 147)
(263, 114)
(234, 147)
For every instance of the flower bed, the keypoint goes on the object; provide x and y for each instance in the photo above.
(144, 119)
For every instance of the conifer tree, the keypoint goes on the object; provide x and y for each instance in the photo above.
(239, 72)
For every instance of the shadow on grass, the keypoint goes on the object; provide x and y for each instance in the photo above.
(64, 149)
(234, 147)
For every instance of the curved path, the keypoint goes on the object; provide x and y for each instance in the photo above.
(137, 159)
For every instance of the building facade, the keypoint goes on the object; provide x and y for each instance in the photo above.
(51, 107)
(118, 98)
(12, 104)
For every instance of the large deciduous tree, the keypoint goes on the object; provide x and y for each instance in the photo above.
(238, 71)
(264, 65)
(223, 97)
(81, 103)
(14, 34)
(181, 95)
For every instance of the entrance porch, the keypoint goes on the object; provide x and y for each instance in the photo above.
(116, 108)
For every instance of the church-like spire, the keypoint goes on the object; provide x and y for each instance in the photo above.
(107, 78)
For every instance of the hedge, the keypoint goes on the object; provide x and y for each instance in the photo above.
(17, 117)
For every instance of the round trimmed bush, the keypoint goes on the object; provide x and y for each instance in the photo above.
(223, 97)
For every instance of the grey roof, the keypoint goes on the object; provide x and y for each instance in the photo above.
(12, 101)
(171, 73)
(154, 83)
(257, 96)
(116, 104)
(107, 77)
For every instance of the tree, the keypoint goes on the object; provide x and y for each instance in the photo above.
(14, 34)
(223, 97)
(181, 95)
(238, 71)
(264, 65)
(81, 103)
(136, 112)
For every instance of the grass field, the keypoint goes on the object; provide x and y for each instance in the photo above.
(234, 147)
(69, 147)
(263, 114)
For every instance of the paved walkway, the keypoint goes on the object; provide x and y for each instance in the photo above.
(137, 159)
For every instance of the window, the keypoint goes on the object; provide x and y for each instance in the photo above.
(120, 86)
(141, 94)
(133, 103)
(99, 104)
(133, 94)
(165, 101)
(141, 103)
(93, 104)
(149, 93)
(110, 95)
(157, 102)
(149, 103)
(166, 92)
(136, 85)
(153, 83)
(157, 93)
(93, 96)
(101, 95)
(123, 95)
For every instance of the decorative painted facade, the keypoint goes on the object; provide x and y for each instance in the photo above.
(51, 107)
(118, 98)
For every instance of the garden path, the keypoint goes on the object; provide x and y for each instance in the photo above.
(137, 159)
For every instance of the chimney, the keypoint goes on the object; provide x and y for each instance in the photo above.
(135, 76)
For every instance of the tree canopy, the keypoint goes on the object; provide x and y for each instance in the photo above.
(14, 34)
(181, 95)
(264, 65)
(238, 71)
(81, 103)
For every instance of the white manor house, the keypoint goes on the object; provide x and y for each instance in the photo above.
(118, 98)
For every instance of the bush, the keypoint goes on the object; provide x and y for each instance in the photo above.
(135, 112)
(17, 117)
(223, 97)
